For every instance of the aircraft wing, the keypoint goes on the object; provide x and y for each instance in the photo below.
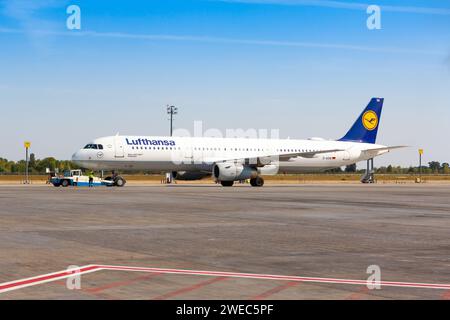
(312, 154)
(261, 161)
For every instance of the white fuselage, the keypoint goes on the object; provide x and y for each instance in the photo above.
(157, 154)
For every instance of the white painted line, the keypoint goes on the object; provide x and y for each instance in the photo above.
(50, 277)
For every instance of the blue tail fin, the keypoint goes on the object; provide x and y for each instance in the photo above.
(365, 127)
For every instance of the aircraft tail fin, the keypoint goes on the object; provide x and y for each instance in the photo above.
(366, 125)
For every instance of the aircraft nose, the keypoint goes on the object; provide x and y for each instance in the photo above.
(76, 156)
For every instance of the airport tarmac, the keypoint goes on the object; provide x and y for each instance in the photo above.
(325, 231)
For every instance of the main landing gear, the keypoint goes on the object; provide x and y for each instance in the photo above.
(257, 182)
(254, 182)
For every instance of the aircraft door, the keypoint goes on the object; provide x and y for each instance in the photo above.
(118, 146)
(346, 155)
(188, 156)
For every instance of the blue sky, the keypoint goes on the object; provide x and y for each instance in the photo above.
(306, 68)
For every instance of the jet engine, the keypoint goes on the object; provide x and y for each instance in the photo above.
(228, 171)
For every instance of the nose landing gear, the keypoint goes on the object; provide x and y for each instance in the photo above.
(118, 180)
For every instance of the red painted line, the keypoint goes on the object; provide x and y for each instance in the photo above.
(120, 283)
(18, 284)
(101, 294)
(272, 291)
(359, 294)
(446, 295)
(189, 288)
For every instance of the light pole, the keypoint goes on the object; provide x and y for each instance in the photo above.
(171, 110)
(27, 145)
(420, 164)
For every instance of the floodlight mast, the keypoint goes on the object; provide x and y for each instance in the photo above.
(171, 110)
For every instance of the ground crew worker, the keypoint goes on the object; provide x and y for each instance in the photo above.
(91, 178)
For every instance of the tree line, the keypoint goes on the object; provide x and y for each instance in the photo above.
(434, 167)
(35, 166)
(38, 166)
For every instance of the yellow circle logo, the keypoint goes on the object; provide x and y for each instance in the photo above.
(370, 120)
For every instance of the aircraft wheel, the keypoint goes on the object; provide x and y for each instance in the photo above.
(227, 183)
(257, 182)
(119, 181)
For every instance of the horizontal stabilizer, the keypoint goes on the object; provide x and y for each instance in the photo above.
(376, 151)
(385, 148)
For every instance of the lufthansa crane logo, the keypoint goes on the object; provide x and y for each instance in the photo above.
(370, 120)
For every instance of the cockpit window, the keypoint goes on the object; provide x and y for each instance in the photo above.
(93, 146)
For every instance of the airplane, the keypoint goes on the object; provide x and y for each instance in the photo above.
(234, 159)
